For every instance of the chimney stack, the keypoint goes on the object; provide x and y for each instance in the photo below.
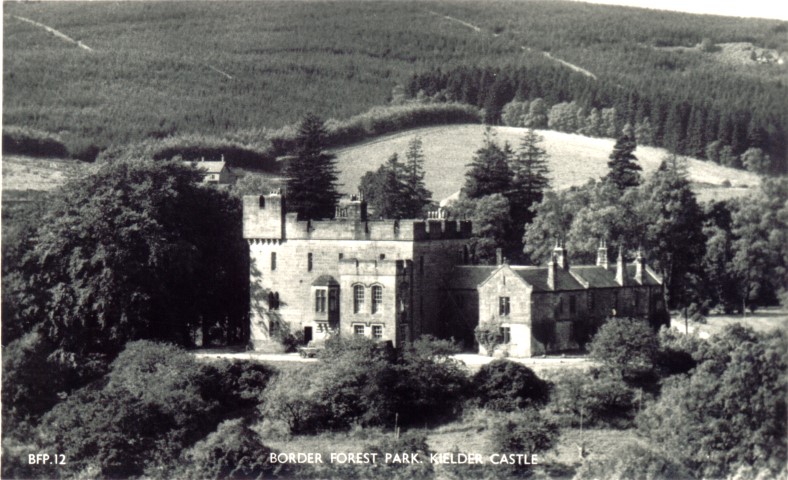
(621, 274)
(640, 267)
(551, 272)
(561, 256)
(601, 254)
(498, 256)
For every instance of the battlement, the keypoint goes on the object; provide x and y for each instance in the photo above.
(355, 267)
(264, 218)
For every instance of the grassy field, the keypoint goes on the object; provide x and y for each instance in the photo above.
(763, 320)
(26, 173)
(574, 160)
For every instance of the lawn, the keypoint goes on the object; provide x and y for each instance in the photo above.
(761, 320)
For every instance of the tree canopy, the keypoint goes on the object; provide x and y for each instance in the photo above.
(138, 250)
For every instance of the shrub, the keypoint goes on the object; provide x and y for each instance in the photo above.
(233, 451)
(360, 382)
(29, 141)
(731, 410)
(632, 460)
(112, 431)
(35, 379)
(627, 346)
(431, 386)
(593, 399)
(526, 432)
(489, 336)
(155, 401)
(506, 386)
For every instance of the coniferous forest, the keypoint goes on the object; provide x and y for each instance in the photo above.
(155, 70)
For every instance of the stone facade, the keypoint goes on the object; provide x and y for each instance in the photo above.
(555, 308)
(381, 279)
(396, 280)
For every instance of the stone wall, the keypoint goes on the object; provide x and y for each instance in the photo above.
(506, 283)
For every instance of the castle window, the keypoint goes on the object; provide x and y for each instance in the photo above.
(506, 334)
(382, 256)
(308, 262)
(358, 330)
(332, 300)
(377, 332)
(358, 299)
(320, 300)
(377, 298)
(504, 307)
(273, 261)
(341, 256)
(572, 305)
(262, 201)
(560, 305)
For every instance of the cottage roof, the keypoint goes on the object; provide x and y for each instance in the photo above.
(537, 278)
(325, 281)
(594, 276)
(208, 167)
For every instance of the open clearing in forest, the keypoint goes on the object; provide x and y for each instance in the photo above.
(573, 160)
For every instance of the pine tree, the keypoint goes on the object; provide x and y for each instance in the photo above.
(385, 191)
(530, 179)
(312, 174)
(418, 196)
(489, 172)
(623, 169)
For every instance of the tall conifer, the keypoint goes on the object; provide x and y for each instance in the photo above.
(624, 172)
(312, 174)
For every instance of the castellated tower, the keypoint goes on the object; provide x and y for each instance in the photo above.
(350, 276)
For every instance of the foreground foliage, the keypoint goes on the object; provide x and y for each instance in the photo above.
(731, 410)
(363, 383)
(138, 250)
(155, 401)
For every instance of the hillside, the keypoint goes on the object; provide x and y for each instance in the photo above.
(574, 160)
(22, 173)
(109, 73)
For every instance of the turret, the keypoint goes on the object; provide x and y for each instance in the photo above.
(263, 216)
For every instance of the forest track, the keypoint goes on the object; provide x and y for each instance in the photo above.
(55, 32)
(478, 29)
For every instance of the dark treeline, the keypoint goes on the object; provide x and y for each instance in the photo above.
(714, 117)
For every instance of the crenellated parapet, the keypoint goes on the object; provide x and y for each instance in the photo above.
(264, 217)
(372, 267)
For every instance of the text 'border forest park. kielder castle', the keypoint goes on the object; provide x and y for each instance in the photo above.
(394, 280)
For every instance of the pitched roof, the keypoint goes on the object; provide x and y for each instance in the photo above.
(596, 277)
(537, 277)
(650, 278)
(325, 281)
(208, 167)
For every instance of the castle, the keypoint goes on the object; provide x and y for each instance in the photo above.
(394, 280)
